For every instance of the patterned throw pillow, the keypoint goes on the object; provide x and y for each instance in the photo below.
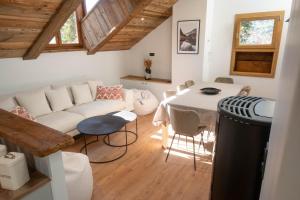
(109, 92)
(22, 112)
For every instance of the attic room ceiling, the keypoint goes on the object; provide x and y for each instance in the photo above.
(119, 25)
(27, 26)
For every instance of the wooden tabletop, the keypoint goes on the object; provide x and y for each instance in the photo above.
(36, 138)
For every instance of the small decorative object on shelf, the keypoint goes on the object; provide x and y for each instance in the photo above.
(147, 65)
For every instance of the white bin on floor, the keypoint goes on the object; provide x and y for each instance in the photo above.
(79, 177)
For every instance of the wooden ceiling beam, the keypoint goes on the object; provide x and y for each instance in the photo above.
(138, 8)
(56, 22)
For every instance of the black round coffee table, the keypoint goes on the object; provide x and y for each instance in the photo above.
(104, 125)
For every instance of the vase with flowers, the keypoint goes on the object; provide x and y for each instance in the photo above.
(147, 65)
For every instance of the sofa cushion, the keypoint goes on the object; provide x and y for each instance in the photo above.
(8, 103)
(93, 86)
(22, 112)
(109, 92)
(99, 107)
(67, 85)
(62, 121)
(82, 94)
(34, 102)
(59, 99)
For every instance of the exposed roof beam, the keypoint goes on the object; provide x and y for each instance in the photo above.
(141, 5)
(56, 22)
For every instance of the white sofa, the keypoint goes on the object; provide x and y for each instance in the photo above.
(66, 120)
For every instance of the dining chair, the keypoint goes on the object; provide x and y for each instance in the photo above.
(181, 87)
(169, 93)
(224, 80)
(185, 123)
(245, 91)
(189, 83)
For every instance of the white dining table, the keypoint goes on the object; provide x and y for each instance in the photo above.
(192, 98)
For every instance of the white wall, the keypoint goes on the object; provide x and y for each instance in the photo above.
(163, 41)
(282, 176)
(18, 75)
(186, 67)
(158, 42)
(221, 41)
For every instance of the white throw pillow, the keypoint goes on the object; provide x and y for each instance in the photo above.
(34, 102)
(93, 86)
(59, 99)
(68, 86)
(8, 103)
(82, 94)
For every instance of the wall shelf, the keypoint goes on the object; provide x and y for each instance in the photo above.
(36, 181)
(141, 78)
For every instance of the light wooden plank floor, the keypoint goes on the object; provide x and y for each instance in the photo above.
(143, 173)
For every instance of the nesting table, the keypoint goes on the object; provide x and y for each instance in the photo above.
(106, 125)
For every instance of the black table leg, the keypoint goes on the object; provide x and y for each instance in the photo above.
(85, 145)
(106, 139)
(126, 144)
(136, 126)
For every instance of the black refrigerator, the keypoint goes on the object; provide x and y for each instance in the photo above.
(242, 134)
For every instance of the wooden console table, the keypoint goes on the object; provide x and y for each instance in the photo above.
(43, 145)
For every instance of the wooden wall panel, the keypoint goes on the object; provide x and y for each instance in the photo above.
(123, 23)
(21, 22)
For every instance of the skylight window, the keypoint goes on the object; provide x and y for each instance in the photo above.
(89, 4)
(69, 36)
(69, 32)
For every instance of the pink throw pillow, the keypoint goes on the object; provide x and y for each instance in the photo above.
(109, 92)
(22, 112)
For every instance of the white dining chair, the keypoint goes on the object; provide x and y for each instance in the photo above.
(169, 93)
(245, 91)
(189, 83)
(186, 123)
(181, 87)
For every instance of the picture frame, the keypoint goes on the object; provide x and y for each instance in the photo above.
(188, 32)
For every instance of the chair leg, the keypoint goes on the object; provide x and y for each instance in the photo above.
(178, 140)
(201, 141)
(170, 147)
(186, 142)
(194, 154)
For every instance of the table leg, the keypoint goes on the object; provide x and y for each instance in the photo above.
(165, 136)
(126, 144)
(136, 126)
(85, 147)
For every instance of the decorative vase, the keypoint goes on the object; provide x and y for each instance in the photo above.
(147, 64)
(147, 75)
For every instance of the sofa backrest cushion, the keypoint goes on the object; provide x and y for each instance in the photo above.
(68, 85)
(35, 102)
(8, 103)
(59, 99)
(93, 86)
(82, 94)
